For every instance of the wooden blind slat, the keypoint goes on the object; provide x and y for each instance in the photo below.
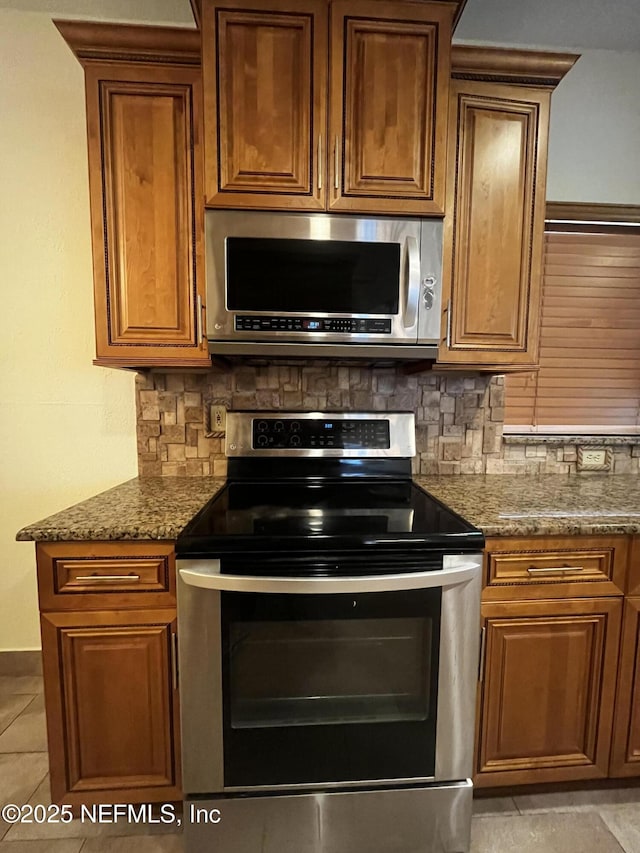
(597, 283)
(616, 305)
(576, 238)
(597, 260)
(611, 374)
(547, 385)
(613, 272)
(554, 349)
(590, 336)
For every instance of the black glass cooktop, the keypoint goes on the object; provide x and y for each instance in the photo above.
(324, 515)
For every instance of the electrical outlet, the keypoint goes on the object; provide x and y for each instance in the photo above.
(593, 459)
(218, 419)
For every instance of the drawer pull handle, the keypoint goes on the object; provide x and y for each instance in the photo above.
(556, 570)
(108, 578)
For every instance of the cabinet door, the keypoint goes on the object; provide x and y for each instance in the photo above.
(625, 754)
(390, 71)
(111, 698)
(265, 80)
(145, 177)
(494, 225)
(548, 690)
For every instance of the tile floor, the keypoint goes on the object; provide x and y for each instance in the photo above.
(603, 821)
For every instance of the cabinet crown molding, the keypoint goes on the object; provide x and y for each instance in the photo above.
(97, 42)
(196, 8)
(510, 65)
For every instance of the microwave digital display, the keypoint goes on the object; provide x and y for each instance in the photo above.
(305, 276)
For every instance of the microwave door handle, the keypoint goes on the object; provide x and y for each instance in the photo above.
(412, 282)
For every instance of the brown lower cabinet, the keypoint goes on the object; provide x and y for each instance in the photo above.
(625, 754)
(548, 690)
(108, 621)
(559, 694)
(559, 691)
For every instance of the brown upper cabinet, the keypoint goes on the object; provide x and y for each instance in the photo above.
(326, 104)
(145, 179)
(496, 186)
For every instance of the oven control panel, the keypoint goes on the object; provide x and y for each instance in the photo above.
(312, 434)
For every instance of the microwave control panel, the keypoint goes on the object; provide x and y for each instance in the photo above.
(348, 325)
(272, 433)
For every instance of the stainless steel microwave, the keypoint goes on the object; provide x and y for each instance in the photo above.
(316, 284)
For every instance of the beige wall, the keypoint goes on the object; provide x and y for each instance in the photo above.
(67, 429)
(595, 130)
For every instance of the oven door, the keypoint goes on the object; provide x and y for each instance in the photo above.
(327, 682)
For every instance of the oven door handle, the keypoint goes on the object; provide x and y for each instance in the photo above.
(206, 575)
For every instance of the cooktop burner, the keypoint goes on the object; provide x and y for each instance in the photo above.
(323, 500)
(308, 514)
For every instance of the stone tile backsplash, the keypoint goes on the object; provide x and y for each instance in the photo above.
(459, 417)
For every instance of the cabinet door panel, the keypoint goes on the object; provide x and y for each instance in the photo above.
(265, 74)
(389, 83)
(111, 705)
(633, 584)
(144, 169)
(548, 690)
(146, 154)
(625, 757)
(494, 228)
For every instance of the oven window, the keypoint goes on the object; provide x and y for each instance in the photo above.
(301, 276)
(329, 688)
(329, 672)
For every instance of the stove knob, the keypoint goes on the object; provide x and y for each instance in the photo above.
(262, 426)
(263, 440)
(294, 426)
(294, 441)
(278, 426)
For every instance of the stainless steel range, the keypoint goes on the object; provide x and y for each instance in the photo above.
(329, 625)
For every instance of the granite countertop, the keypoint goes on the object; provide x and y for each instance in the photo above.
(499, 504)
(144, 508)
(549, 504)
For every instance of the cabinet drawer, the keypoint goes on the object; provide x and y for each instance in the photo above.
(71, 577)
(95, 575)
(563, 566)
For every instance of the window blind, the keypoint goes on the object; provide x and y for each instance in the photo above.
(589, 377)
